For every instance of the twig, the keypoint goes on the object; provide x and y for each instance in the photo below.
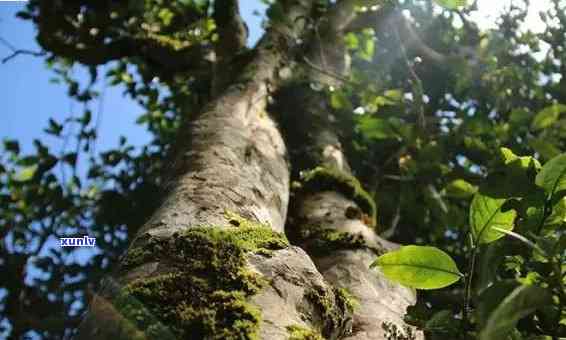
(16, 52)
(26, 52)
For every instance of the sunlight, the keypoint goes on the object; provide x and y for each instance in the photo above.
(489, 10)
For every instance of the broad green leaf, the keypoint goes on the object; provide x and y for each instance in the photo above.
(375, 128)
(558, 215)
(452, 4)
(547, 116)
(485, 213)
(544, 148)
(419, 267)
(459, 188)
(552, 176)
(26, 173)
(521, 302)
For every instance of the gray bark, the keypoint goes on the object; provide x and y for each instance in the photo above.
(232, 158)
(381, 302)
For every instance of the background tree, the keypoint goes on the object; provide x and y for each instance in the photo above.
(412, 98)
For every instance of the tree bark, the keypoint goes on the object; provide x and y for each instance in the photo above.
(212, 261)
(332, 217)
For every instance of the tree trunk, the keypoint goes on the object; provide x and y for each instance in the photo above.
(213, 262)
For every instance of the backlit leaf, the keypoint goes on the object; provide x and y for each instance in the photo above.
(26, 173)
(419, 267)
(552, 177)
(485, 213)
(548, 116)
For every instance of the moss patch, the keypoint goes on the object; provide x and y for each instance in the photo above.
(302, 333)
(334, 305)
(205, 295)
(323, 178)
(320, 241)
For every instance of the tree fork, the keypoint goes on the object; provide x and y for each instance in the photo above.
(230, 169)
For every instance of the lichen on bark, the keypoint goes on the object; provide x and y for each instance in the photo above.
(204, 294)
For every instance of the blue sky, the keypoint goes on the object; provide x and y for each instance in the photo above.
(29, 99)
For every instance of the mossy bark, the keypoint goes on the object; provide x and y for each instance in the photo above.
(212, 261)
(331, 216)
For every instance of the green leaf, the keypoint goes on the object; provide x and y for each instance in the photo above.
(485, 213)
(459, 188)
(166, 16)
(547, 116)
(26, 173)
(419, 267)
(338, 100)
(544, 148)
(552, 175)
(375, 128)
(452, 4)
(443, 322)
(521, 302)
(558, 215)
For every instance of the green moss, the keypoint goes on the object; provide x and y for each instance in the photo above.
(347, 299)
(319, 241)
(302, 333)
(323, 178)
(205, 295)
(334, 305)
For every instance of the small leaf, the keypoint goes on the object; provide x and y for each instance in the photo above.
(452, 4)
(338, 100)
(547, 116)
(459, 188)
(521, 302)
(375, 128)
(419, 267)
(26, 173)
(485, 213)
(552, 175)
(558, 215)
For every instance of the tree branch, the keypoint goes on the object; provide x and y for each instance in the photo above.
(232, 31)
(16, 52)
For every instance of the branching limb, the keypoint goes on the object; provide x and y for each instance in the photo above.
(16, 52)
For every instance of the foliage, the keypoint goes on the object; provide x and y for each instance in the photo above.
(507, 301)
(419, 267)
(435, 180)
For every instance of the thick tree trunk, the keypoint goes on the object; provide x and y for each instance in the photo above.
(333, 221)
(332, 217)
(212, 262)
